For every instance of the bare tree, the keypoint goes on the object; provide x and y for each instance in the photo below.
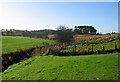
(64, 34)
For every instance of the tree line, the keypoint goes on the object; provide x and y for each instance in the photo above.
(45, 32)
(63, 33)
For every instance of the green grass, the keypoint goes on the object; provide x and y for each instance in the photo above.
(89, 67)
(14, 43)
(85, 43)
(85, 47)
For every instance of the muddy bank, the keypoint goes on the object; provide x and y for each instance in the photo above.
(85, 52)
(16, 57)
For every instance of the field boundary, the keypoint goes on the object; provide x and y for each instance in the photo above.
(16, 57)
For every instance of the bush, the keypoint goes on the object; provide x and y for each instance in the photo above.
(64, 34)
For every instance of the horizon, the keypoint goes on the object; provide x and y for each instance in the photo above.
(103, 16)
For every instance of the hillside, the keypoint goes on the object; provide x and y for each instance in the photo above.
(94, 67)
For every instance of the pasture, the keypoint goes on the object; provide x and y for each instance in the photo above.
(92, 67)
(14, 43)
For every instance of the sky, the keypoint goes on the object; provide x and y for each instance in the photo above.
(49, 15)
(59, 0)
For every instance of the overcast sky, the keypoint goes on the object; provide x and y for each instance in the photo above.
(48, 15)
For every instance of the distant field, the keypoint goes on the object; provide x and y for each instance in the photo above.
(97, 42)
(93, 67)
(14, 43)
(95, 38)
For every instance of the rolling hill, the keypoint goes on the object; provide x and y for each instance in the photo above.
(94, 67)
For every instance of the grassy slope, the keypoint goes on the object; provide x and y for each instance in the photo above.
(94, 67)
(13, 43)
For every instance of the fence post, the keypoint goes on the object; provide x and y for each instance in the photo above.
(103, 48)
(74, 48)
(92, 47)
(88, 50)
(115, 45)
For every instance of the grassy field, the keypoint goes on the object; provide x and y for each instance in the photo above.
(95, 42)
(91, 67)
(95, 38)
(14, 43)
(82, 42)
(85, 47)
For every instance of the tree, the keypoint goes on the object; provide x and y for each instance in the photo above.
(85, 30)
(64, 34)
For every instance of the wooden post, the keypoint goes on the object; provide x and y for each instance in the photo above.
(74, 48)
(92, 47)
(103, 48)
(115, 45)
(88, 50)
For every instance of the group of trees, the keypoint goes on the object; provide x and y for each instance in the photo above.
(39, 33)
(65, 34)
(85, 30)
(35, 33)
